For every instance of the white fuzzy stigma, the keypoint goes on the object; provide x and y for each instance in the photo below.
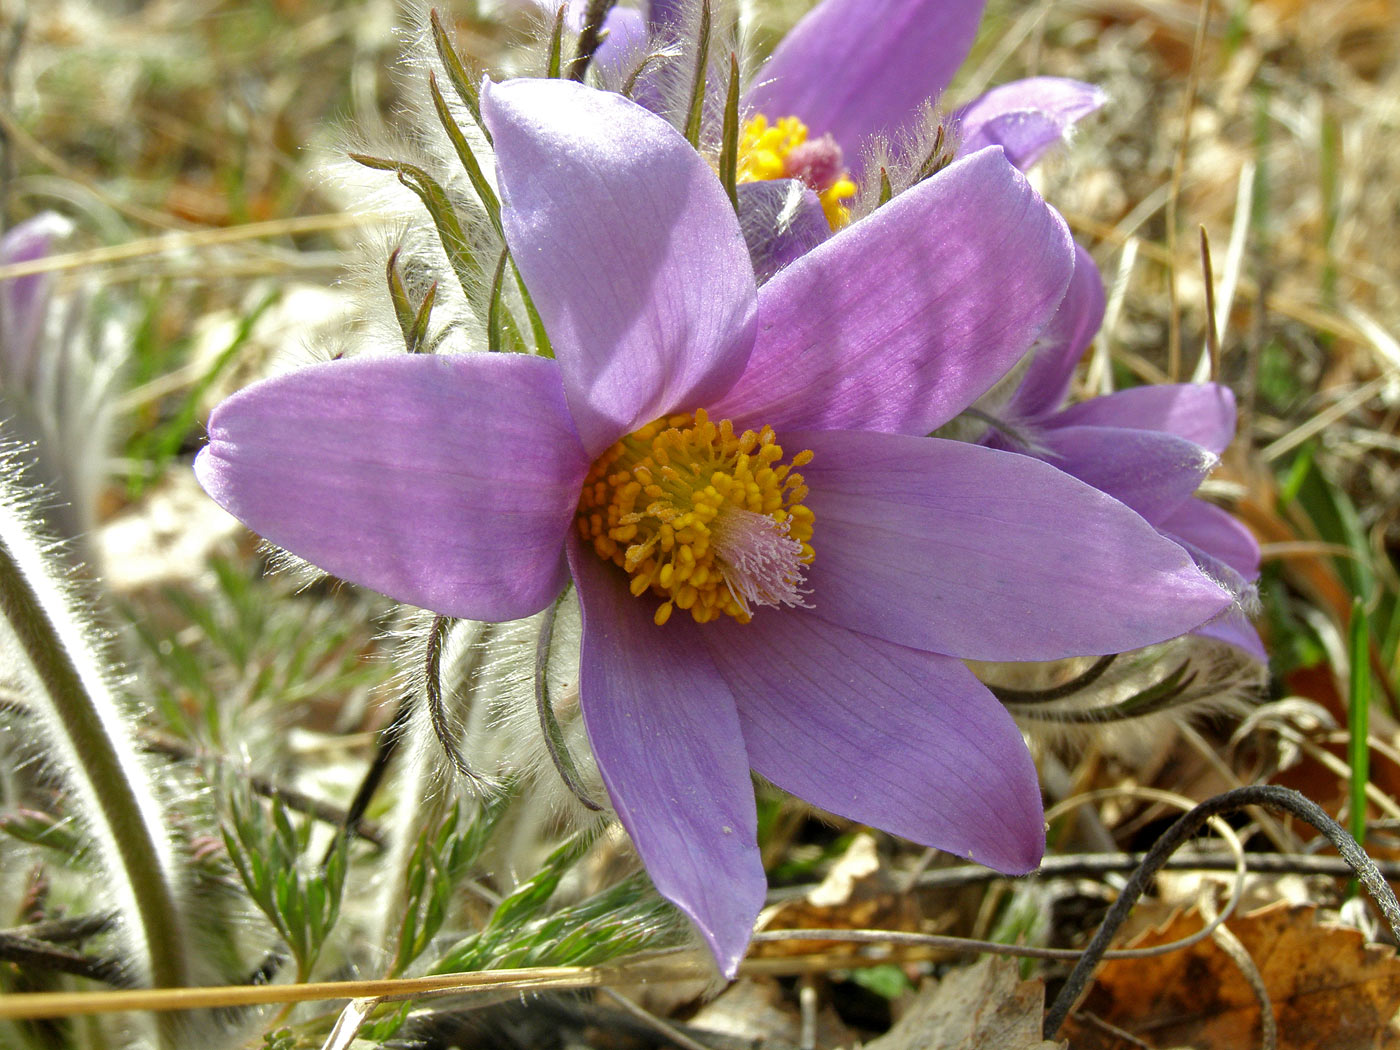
(761, 563)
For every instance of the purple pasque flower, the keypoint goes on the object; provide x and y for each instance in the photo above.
(24, 301)
(666, 435)
(1148, 446)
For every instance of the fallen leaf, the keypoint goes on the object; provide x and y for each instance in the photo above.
(859, 893)
(757, 1012)
(1330, 989)
(985, 1006)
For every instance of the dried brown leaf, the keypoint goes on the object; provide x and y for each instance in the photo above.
(985, 1006)
(1330, 990)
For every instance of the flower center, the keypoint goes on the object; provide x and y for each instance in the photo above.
(783, 151)
(709, 520)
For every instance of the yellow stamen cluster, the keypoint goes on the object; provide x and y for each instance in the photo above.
(764, 148)
(705, 518)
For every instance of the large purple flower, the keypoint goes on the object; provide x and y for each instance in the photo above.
(652, 461)
(1148, 446)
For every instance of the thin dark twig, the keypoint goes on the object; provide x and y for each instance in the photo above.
(1268, 795)
(1007, 695)
(590, 38)
(157, 743)
(66, 931)
(171, 747)
(1092, 865)
(950, 943)
(386, 745)
(1112, 1029)
(43, 955)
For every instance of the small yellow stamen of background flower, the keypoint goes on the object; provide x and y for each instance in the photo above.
(782, 150)
(709, 520)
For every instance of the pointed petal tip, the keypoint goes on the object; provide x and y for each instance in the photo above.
(727, 946)
(668, 744)
(1023, 852)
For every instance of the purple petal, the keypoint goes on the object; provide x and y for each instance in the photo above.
(666, 14)
(987, 555)
(1059, 348)
(904, 740)
(782, 221)
(1026, 117)
(1217, 533)
(24, 301)
(667, 741)
(1227, 552)
(630, 248)
(856, 68)
(1233, 628)
(444, 482)
(1151, 471)
(1200, 412)
(903, 319)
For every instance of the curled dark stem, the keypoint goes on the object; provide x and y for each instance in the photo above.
(1269, 795)
(549, 725)
(1151, 700)
(437, 711)
(1007, 695)
(590, 38)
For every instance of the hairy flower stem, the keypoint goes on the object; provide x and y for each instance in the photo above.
(591, 38)
(695, 111)
(87, 728)
(549, 725)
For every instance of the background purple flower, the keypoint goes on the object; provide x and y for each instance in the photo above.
(452, 483)
(62, 350)
(855, 69)
(859, 71)
(1148, 446)
(24, 301)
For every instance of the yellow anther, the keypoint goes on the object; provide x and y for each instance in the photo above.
(766, 151)
(709, 521)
